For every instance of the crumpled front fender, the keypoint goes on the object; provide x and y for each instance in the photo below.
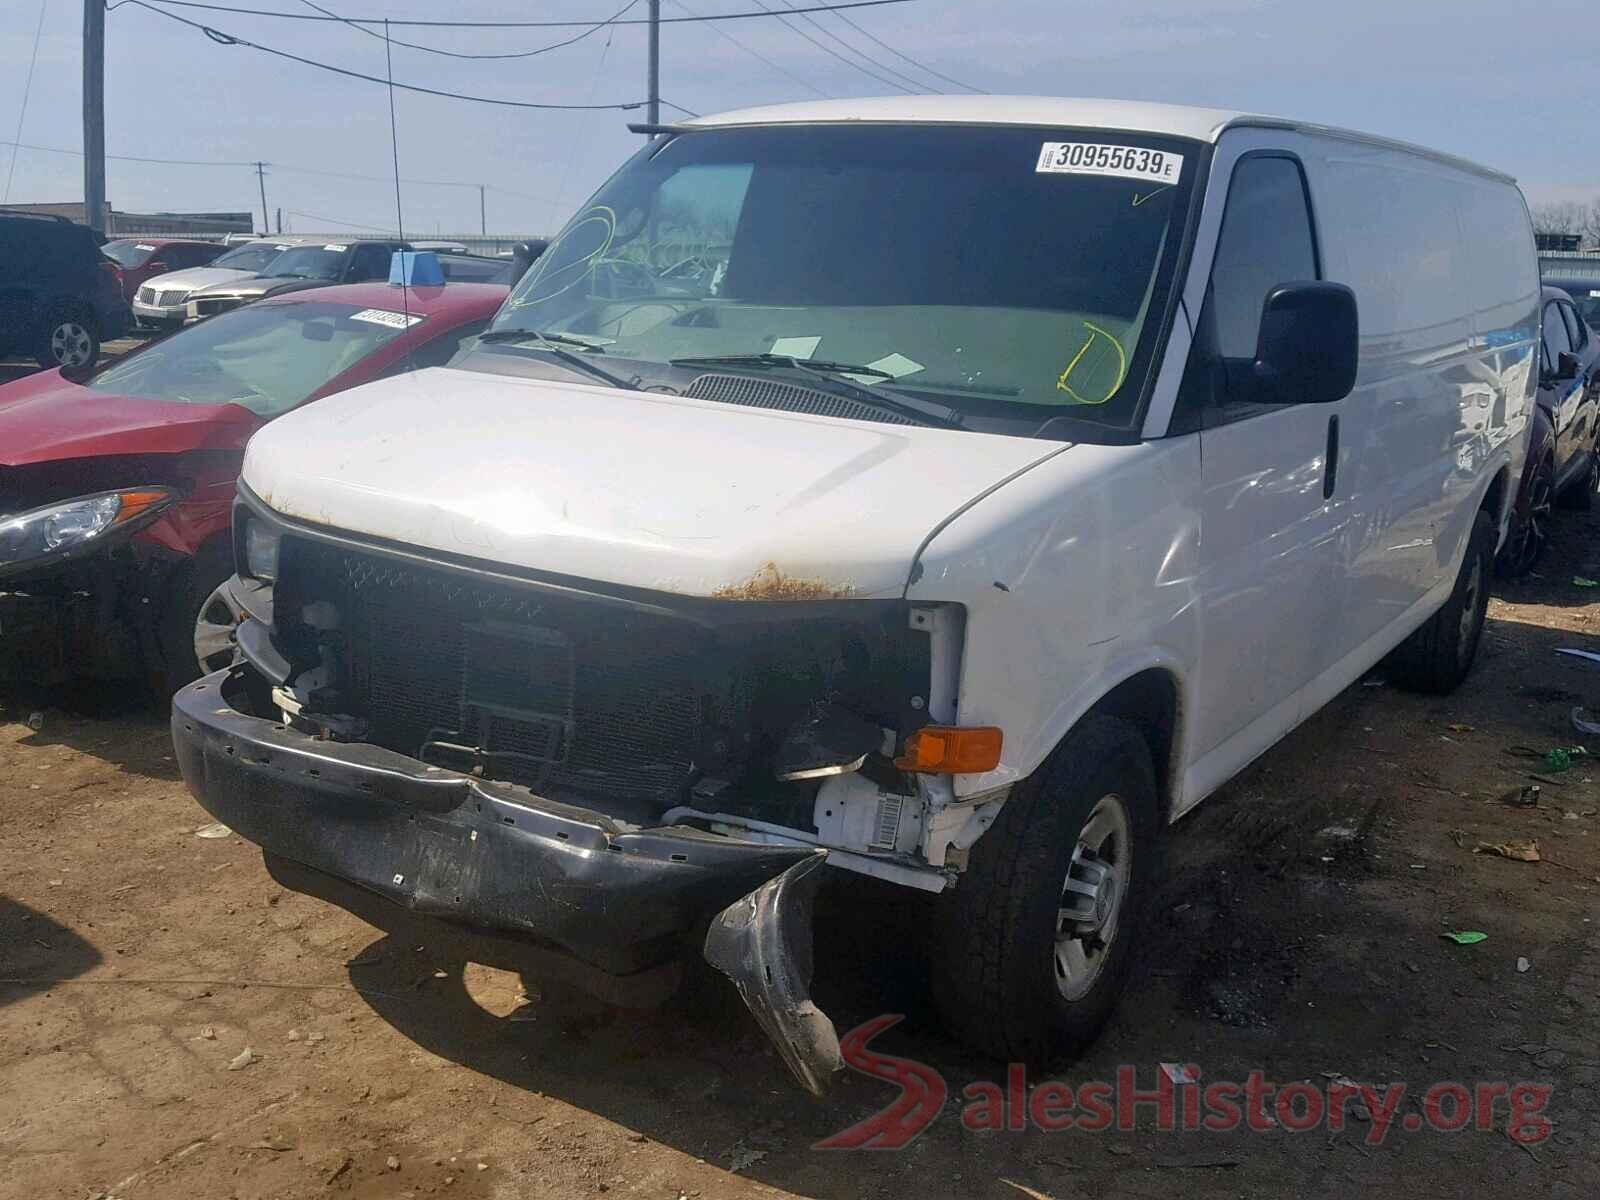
(762, 942)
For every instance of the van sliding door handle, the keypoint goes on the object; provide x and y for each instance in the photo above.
(1330, 464)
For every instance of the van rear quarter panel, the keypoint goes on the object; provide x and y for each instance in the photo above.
(1443, 266)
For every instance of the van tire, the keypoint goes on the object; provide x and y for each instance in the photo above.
(1437, 657)
(996, 982)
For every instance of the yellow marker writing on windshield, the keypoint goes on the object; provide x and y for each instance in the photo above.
(1122, 366)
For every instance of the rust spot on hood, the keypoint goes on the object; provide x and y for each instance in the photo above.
(769, 583)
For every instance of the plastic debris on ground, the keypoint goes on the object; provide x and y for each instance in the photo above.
(1582, 723)
(243, 1059)
(1584, 581)
(1517, 851)
(1465, 937)
(214, 830)
(1588, 654)
(1523, 966)
(1560, 759)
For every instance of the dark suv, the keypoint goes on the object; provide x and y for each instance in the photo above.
(59, 295)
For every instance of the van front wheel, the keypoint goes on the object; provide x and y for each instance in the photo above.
(1034, 942)
(1436, 658)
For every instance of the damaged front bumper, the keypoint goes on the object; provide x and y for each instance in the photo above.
(520, 880)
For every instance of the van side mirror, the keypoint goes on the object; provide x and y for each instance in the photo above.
(1566, 365)
(1306, 350)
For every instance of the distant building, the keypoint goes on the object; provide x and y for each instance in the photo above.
(1559, 243)
(125, 224)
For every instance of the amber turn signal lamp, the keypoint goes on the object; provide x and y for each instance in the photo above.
(951, 750)
(137, 503)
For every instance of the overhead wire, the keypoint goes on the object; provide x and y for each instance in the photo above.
(228, 39)
(419, 23)
(754, 53)
(826, 49)
(903, 57)
(826, 32)
(360, 28)
(27, 88)
(292, 168)
(295, 212)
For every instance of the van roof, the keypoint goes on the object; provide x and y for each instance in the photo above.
(1201, 124)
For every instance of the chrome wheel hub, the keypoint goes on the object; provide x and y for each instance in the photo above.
(1092, 897)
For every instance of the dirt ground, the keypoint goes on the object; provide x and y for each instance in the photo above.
(1298, 934)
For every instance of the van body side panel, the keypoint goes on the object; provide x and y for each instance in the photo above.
(1441, 390)
(1075, 576)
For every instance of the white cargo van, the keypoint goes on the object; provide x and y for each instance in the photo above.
(952, 490)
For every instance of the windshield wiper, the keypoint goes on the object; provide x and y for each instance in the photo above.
(554, 344)
(835, 375)
(778, 360)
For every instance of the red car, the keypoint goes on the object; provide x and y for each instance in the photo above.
(139, 259)
(116, 485)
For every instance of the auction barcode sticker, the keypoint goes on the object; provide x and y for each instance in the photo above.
(382, 316)
(1125, 162)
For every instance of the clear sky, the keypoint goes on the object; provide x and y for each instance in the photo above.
(1466, 76)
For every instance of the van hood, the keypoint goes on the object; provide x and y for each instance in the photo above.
(194, 278)
(630, 488)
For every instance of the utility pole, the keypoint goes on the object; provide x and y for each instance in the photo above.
(261, 180)
(280, 219)
(653, 83)
(94, 114)
(483, 212)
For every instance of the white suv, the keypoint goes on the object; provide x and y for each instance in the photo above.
(951, 490)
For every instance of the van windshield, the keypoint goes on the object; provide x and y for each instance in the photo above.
(1011, 274)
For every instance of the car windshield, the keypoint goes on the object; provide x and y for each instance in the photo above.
(264, 357)
(1588, 304)
(308, 262)
(1009, 273)
(252, 257)
(128, 254)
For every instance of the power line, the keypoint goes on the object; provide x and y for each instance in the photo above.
(754, 53)
(165, 162)
(688, 112)
(829, 33)
(295, 212)
(277, 166)
(26, 89)
(792, 27)
(292, 16)
(906, 57)
(359, 28)
(228, 39)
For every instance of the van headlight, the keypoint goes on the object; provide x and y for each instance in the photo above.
(61, 531)
(260, 551)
